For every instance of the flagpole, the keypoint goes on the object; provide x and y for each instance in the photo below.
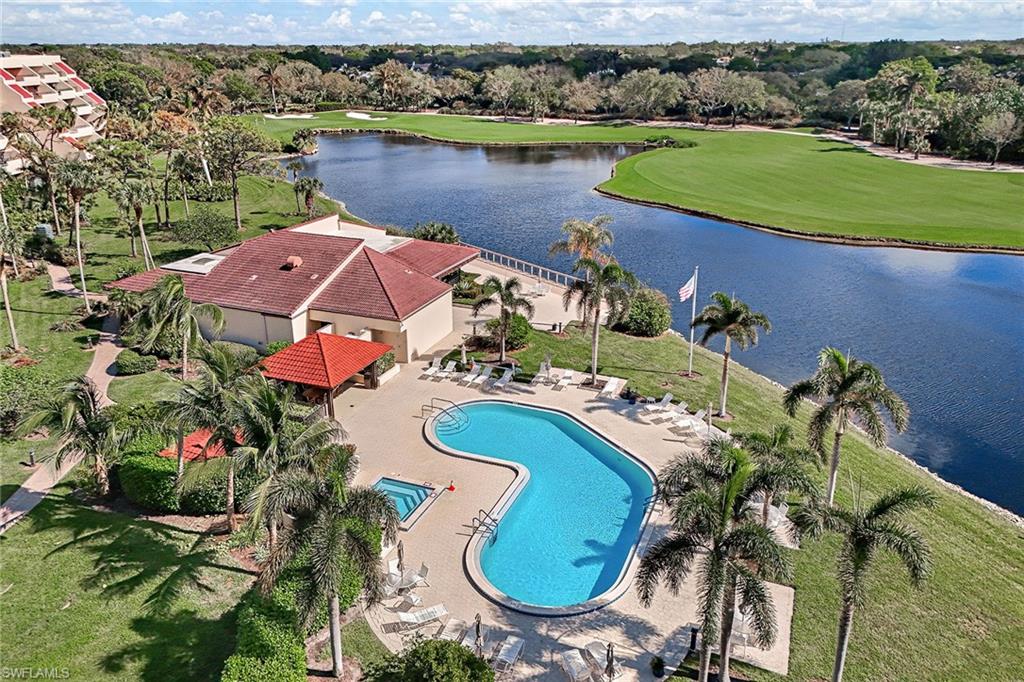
(693, 316)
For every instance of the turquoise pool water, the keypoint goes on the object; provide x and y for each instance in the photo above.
(570, 532)
(406, 496)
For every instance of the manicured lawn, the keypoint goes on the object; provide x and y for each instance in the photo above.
(358, 642)
(107, 596)
(793, 182)
(156, 385)
(963, 624)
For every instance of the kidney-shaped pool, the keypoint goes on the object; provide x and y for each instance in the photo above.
(569, 526)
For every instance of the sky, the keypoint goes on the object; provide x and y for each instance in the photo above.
(331, 22)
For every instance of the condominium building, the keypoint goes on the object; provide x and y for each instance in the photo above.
(36, 80)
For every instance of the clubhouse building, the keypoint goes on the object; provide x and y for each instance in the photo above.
(325, 275)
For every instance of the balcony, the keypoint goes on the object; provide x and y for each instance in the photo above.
(48, 97)
(83, 109)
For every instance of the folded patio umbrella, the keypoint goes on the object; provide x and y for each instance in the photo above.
(609, 668)
(401, 557)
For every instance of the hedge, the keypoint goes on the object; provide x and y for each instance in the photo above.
(23, 390)
(385, 362)
(269, 647)
(149, 481)
(129, 362)
(276, 346)
(431, 660)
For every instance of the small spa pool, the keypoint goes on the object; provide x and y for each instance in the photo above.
(406, 496)
(566, 536)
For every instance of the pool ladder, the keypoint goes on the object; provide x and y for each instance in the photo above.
(485, 524)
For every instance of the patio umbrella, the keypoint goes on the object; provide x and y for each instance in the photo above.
(463, 349)
(709, 419)
(479, 641)
(547, 366)
(609, 667)
(401, 557)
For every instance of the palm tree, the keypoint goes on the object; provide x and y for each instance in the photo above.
(276, 434)
(79, 178)
(169, 311)
(584, 239)
(331, 534)
(181, 168)
(83, 428)
(775, 449)
(506, 297)
(881, 526)
(605, 283)
(10, 242)
(135, 194)
(294, 167)
(207, 402)
(850, 389)
(269, 75)
(47, 123)
(712, 522)
(737, 322)
(309, 187)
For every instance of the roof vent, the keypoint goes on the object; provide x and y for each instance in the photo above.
(292, 263)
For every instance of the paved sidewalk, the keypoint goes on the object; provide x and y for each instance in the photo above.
(101, 371)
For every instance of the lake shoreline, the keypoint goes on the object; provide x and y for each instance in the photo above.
(820, 237)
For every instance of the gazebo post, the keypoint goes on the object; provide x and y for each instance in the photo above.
(330, 402)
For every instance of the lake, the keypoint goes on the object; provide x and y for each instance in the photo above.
(947, 329)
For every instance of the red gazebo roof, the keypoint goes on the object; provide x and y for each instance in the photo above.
(323, 360)
(193, 446)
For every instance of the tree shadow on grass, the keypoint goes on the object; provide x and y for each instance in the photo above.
(844, 148)
(177, 646)
(130, 554)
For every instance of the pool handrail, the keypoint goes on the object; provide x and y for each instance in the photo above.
(445, 410)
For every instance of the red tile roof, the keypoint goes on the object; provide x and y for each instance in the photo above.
(65, 68)
(434, 258)
(95, 98)
(380, 286)
(146, 280)
(322, 360)
(22, 92)
(6, 75)
(193, 447)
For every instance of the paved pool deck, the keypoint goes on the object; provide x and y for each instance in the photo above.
(387, 427)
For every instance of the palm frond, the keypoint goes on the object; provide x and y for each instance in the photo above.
(668, 559)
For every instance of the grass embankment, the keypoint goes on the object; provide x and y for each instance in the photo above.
(965, 621)
(108, 596)
(796, 183)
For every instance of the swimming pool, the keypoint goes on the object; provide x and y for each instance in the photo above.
(567, 529)
(406, 496)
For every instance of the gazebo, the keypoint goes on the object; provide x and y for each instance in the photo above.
(322, 363)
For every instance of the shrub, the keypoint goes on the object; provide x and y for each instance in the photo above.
(385, 362)
(129, 362)
(127, 268)
(331, 106)
(435, 231)
(206, 227)
(518, 332)
(269, 646)
(23, 389)
(432, 661)
(144, 445)
(247, 355)
(218, 191)
(210, 495)
(149, 481)
(275, 346)
(649, 314)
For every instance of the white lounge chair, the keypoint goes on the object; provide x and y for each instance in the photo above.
(468, 377)
(659, 406)
(565, 379)
(501, 383)
(508, 654)
(674, 412)
(411, 579)
(573, 665)
(612, 387)
(435, 367)
(597, 652)
(453, 630)
(689, 422)
(540, 289)
(411, 620)
(483, 376)
(446, 372)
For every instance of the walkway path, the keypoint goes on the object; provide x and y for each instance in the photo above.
(47, 474)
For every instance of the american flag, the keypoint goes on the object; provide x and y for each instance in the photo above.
(686, 291)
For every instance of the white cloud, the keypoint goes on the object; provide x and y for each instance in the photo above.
(341, 18)
(375, 17)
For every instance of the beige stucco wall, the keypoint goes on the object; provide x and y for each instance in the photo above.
(410, 339)
(427, 326)
(256, 329)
